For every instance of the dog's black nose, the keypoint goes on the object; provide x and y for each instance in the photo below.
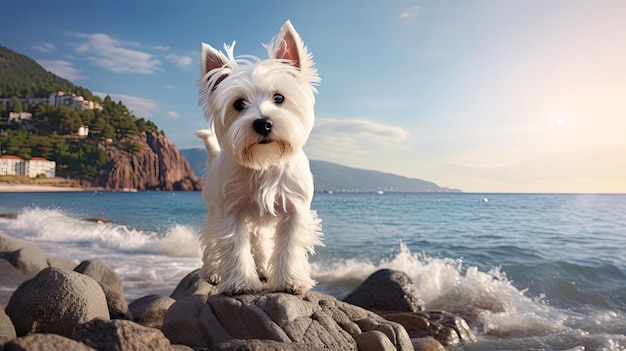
(263, 125)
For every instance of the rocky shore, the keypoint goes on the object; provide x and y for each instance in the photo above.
(51, 303)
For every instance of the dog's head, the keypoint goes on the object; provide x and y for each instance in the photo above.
(261, 110)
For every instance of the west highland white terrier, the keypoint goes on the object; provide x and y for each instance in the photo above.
(258, 186)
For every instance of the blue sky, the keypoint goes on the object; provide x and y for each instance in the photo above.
(484, 96)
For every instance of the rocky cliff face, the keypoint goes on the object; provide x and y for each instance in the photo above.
(150, 162)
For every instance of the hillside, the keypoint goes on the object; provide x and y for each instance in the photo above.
(119, 151)
(335, 177)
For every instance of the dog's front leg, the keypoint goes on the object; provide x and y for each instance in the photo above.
(236, 265)
(296, 234)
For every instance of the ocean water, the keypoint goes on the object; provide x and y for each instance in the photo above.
(527, 271)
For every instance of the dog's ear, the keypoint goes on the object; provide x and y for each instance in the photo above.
(211, 59)
(289, 46)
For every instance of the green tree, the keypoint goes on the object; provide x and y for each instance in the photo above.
(16, 105)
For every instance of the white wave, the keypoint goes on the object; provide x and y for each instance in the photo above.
(59, 226)
(488, 299)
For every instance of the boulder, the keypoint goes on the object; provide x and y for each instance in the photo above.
(25, 255)
(427, 344)
(7, 330)
(44, 342)
(150, 310)
(55, 301)
(111, 285)
(387, 291)
(446, 328)
(278, 321)
(193, 284)
(10, 279)
(121, 335)
(60, 262)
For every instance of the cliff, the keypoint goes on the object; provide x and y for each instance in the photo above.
(152, 163)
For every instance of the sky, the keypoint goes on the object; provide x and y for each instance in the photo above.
(482, 96)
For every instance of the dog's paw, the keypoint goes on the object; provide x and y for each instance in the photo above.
(214, 279)
(293, 288)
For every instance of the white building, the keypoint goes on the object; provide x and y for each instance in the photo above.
(57, 98)
(39, 165)
(16, 117)
(13, 165)
(83, 131)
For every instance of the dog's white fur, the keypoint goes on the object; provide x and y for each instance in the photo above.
(258, 188)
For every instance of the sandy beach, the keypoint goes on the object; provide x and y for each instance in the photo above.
(29, 188)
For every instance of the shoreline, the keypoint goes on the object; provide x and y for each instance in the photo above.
(33, 188)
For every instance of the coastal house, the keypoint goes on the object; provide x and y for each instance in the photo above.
(16, 117)
(11, 165)
(14, 165)
(57, 98)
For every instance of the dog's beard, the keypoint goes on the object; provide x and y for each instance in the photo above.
(261, 156)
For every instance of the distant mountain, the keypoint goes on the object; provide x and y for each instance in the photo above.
(335, 177)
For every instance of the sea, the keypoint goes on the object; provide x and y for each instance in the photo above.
(527, 271)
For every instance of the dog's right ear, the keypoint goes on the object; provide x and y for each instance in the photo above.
(211, 59)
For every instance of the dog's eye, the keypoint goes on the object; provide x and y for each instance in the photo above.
(239, 104)
(278, 99)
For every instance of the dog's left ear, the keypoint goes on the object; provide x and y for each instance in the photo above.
(289, 46)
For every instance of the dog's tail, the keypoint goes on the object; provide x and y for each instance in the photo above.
(210, 143)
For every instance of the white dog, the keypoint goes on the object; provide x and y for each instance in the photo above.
(258, 187)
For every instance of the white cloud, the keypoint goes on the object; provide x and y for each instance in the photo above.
(353, 138)
(179, 60)
(161, 47)
(410, 13)
(44, 47)
(62, 69)
(115, 55)
(140, 107)
(172, 114)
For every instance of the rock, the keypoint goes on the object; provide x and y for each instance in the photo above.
(55, 301)
(10, 279)
(25, 255)
(150, 310)
(44, 342)
(156, 165)
(278, 321)
(7, 330)
(387, 291)
(120, 335)
(427, 344)
(193, 284)
(111, 285)
(446, 328)
(62, 263)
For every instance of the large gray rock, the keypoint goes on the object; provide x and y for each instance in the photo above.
(25, 255)
(55, 301)
(63, 263)
(10, 279)
(7, 330)
(446, 328)
(111, 285)
(45, 342)
(387, 291)
(193, 284)
(278, 321)
(120, 335)
(150, 310)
